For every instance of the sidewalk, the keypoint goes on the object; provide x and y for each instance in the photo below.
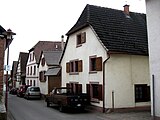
(146, 115)
(10, 116)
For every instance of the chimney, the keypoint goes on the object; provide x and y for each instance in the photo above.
(62, 42)
(126, 9)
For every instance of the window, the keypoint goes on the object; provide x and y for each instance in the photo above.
(34, 83)
(34, 72)
(30, 82)
(92, 64)
(30, 57)
(31, 71)
(28, 71)
(76, 88)
(142, 93)
(43, 62)
(81, 38)
(33, 57)
(27, 82)
(42, 76)
(95, 91)
(95, 63)
(74, 66)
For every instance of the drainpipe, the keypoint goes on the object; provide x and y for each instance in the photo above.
(104, 80)
(153, 92)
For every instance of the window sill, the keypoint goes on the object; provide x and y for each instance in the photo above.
(79, 45)
(74, 73)
(92, 72)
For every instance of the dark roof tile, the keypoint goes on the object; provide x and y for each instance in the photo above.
(117, 31)
(45, 46)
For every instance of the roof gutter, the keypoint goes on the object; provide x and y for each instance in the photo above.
(104, 80)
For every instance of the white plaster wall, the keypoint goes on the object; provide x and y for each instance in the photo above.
(18, 76)
(90, 48)
(122, 72)
(43, 85)
(32, 77)
(153, 23)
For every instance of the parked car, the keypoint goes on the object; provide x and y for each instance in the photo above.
(13, 91)
(22, 89)
(33, 92)
(65, 97)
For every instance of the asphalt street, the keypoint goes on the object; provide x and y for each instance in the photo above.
(22, 109)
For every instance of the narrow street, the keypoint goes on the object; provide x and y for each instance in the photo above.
(22, 109)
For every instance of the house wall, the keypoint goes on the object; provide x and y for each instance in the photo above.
(122, 73)
(90, 48)
(2, 49)
(18, 75)
(43, 85)
(31, 77)
(153, 23)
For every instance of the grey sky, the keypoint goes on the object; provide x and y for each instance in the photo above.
(47, 20)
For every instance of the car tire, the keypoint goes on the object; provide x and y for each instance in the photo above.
(48, 104)
(61, 108)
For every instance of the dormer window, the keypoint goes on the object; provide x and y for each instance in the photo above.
(81, 38)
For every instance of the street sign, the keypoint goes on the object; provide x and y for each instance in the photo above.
(7, 67)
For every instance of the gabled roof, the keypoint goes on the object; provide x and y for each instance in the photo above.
(23, 57)
(45, 46)
(52, 57)
(2, 30)
(117, 31)
(8, 42)
(14, 69)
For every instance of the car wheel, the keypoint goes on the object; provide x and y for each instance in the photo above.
(61, 108)
(48, 104)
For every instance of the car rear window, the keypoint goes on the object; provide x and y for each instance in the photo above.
(35, 89)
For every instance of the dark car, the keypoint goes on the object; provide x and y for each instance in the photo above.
(13, 91)
(22, 89)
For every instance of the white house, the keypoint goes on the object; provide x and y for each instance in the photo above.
(153, 24)
(106, 56)
(32, 70)
(49, 70)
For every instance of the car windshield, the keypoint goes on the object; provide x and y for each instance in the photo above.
(35, 89)
(64, 90)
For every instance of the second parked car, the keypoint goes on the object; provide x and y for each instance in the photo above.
(21, 91)
(33, 92)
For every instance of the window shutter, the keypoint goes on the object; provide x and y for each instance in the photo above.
(83, 37)
(99, 63)
(67, 85)
(100, 92)
(80, 68)
(88, 89)
(67, 67)
(79, 88)
(44, 75)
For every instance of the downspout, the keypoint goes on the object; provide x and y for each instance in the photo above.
(104, 80)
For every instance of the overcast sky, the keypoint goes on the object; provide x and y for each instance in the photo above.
(47, 20)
